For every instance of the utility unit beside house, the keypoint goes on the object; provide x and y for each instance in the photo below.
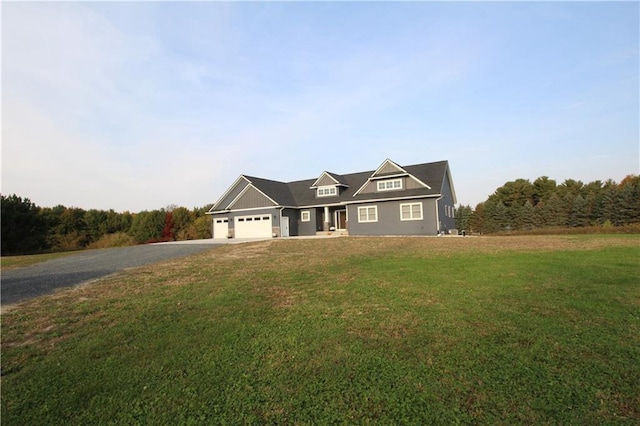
(391, 200)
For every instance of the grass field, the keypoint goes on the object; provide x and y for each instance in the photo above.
(502, 330)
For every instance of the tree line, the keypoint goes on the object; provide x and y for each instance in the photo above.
(27, 228)
(525, 205)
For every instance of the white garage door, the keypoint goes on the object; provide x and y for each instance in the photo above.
(220, 227)
(253, 226)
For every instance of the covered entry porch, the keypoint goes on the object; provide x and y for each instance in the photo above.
(332, 219)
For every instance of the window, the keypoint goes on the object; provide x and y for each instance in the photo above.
(368, 214)
(389, 185)
(411, 211)
(305, 216)
(325, 191)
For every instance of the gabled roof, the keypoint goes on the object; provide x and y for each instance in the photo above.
(277, 191)
(338, 179)
(430, 176)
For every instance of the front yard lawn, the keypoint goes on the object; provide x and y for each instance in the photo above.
(502, 330)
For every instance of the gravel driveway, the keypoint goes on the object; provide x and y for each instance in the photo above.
(43, 278)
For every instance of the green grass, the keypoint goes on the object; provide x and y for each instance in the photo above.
(509, 330)
(12, 262)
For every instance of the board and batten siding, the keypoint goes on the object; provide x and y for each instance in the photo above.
(326, 181)
(233, 193)
(389, 222)
(251, 199)
(388, 168)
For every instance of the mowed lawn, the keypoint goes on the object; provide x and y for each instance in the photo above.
(483, 330)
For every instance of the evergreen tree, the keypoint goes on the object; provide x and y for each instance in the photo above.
(543, 187)
(476, 222)
(527, 218)
(462, 216)
(579, 215)
(23, 229)
(556, 212)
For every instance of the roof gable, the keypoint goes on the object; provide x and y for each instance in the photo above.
(328, 178)
(389, 169)
(251, 197)
(231, 193)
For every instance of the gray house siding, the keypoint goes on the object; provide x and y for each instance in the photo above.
(389, 222)
(447, 220)
(257, 196)
(410, 183)
(369, 187)
(252, 199)
(326, 180)
(407, 183)
(388, 168)
(232, 194)
(294, 218)
(307, 228)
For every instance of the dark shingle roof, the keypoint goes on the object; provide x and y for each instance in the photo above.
(277, 191)
(297, 193)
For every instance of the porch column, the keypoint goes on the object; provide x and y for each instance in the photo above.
(327, 220)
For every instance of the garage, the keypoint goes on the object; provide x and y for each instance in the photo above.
(220, 227)
(253, 226)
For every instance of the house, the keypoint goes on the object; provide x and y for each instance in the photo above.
(390, 200)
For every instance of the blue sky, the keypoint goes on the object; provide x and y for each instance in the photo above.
(136, 106)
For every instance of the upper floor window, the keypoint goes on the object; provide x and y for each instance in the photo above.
(325, 191)
(389, 185)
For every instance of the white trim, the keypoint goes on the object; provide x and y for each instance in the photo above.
(403, 172)
(389, 176)
(233, 185)
(248, 209)
(411, 217)
(332, 189)
(246, 188)
(314, 184)
(384, 163)
(393, 185)
(302, 214)
(451, 188)
(368, 220)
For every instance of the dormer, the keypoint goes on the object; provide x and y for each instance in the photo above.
(328, 184)
(390, 177)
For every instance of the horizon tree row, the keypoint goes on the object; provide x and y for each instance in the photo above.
(523, 205)
(27, 228)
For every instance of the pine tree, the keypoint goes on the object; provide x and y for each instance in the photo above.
(579, 214)
(527, 220)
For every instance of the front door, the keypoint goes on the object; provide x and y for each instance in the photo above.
(341, 220)
(284, 224)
